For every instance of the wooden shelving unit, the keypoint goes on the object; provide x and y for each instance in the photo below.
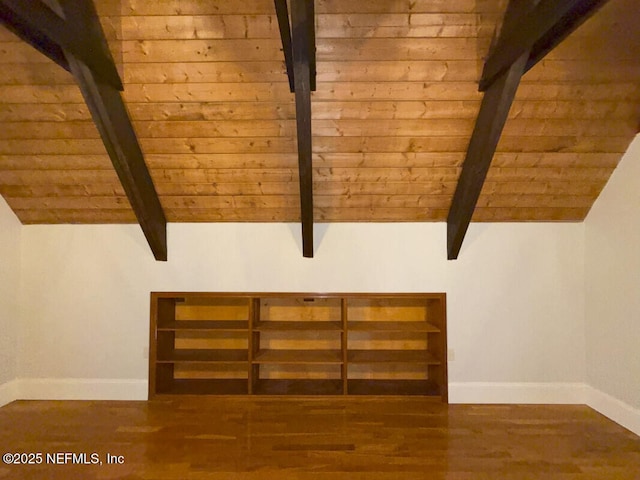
(397, 343)
(199, 344)
(300, 344)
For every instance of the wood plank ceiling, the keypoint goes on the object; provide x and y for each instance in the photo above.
(396, 102)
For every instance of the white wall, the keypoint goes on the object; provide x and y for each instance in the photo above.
(9, 289)
(515, 296)
(613, 285)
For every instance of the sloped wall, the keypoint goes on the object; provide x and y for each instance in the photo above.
(612, 286)
(9, 295)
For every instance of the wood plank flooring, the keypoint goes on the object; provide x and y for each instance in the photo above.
(373, 438)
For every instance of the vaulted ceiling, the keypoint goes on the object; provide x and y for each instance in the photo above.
(392, 115)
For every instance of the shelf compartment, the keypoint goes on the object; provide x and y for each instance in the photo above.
(300, 309)
(206, 387)
(206, 325)
(401, 326)
(270, 326)
(391, 356)
(385, 309)
(392, 387)
(387, 340)
(300, 340)
(298, 387)
(221, 308)
(293, 371)
(387, 371)
(209, 340)
(204, 356)
(298, 356)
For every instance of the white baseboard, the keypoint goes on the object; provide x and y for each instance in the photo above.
(525, 393)
(8, 392)
(618, 411)
(81, 389)
(547, 393)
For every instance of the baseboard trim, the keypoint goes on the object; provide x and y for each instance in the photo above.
(8, 392)
(523, 393)
(614, 409)
(81, 389)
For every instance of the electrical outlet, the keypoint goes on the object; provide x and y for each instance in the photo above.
(451, 355)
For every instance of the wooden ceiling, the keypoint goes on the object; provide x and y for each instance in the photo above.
(396, 103)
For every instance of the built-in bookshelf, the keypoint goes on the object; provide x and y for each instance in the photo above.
(298, 344)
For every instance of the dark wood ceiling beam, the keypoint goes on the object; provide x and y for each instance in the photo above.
(311, 28)
(492, 117)
(302, 22)
(537, 31)
(42, 28)
(282, 13)
(112, 120)
(531, 28)
(77, 43)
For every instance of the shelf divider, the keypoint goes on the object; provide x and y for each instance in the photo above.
(345, 346)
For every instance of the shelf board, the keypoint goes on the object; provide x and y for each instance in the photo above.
(392, 387)
(298, 387)
(205, 356)
(391, 356)
(297, 326)
(205, 325)
(299, 356)
(374, 326)
(207, 387)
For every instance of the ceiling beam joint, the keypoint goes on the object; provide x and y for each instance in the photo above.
(282, 13)
(49, 33)
(537, 31)
(284, 25)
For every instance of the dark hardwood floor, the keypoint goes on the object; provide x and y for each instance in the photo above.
(371, 438)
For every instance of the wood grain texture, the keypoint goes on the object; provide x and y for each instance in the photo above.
(320, 438)
(397, 94)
